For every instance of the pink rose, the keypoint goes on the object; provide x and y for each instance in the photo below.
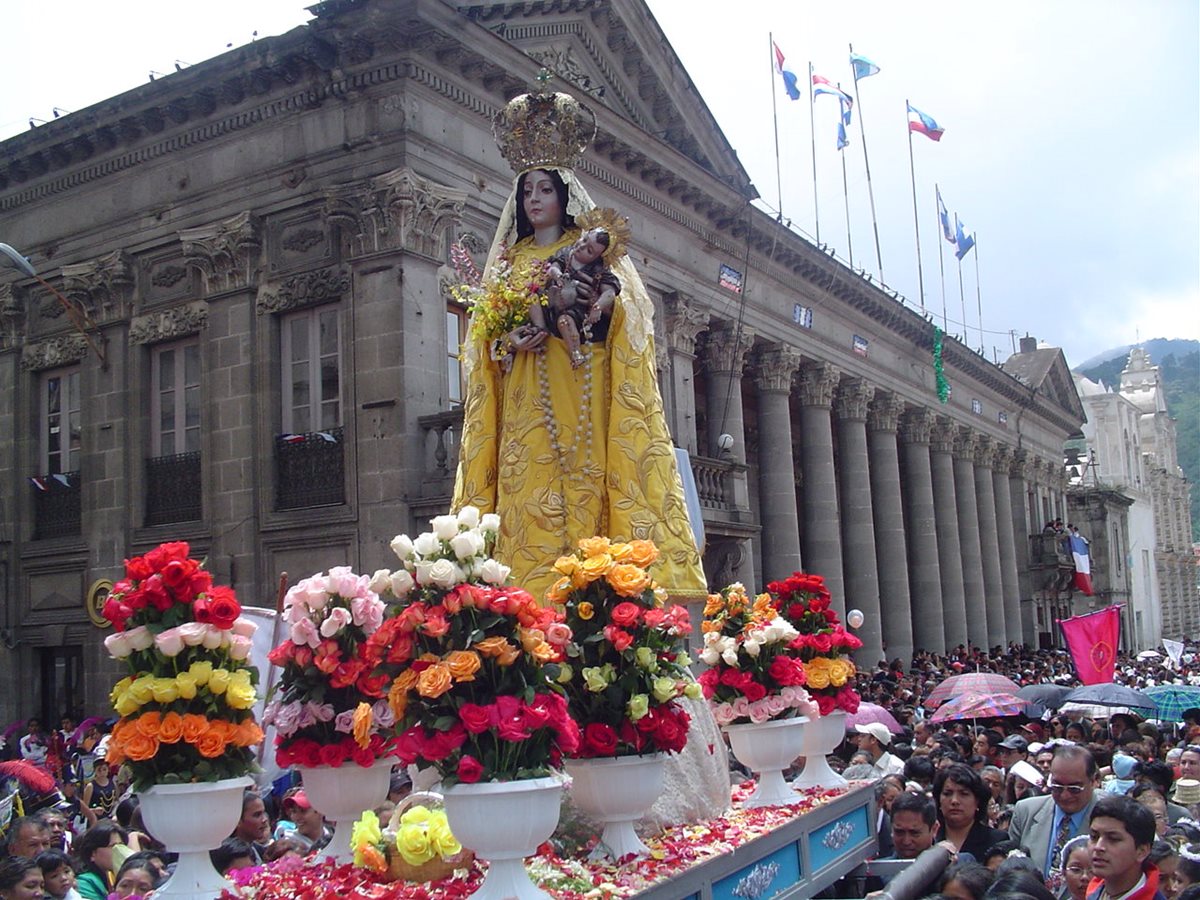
(239, 647)
(558, 633)
(244, 627)
(140, 638)
(741, 707)
(170, 642)
(192, 633)
(117, 644)
(213, 638)
(759, 711)
(305, 632)
(338, 618)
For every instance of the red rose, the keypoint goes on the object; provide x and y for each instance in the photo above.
(138, 569)
(116, 612)
(568, 736)
(786, 671)
(156, 593)
(672, 732)
(282, 655)
(599, 739)
(753, 691)
(620, 639)
(223, 607)
(199, 583)
(333, 755)
(625, 614)
(373, 685)
(441, 744)
(826, 704)
(409, 745)
(535, 717)
(363, 756)
(649, 722)
(475, 718)
(709, 679)
(177, 572)
(822, 642)
(848, 699)
(631, 736)
(470, 770)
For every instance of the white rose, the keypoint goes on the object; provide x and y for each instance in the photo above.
(493, 572)
(466, 544)
(193, 633)
(751, 647)
(239, 647)
(213, 638)
(379, 581)
(401, 583)
(244, 627)
(402, 546)
(425, 544)
(490, 523)
(422, 571)
(709, 656)
(170, 642)
(117, 644)
(140, 638)
(445, 574)
(468, 517)
(730, 656)
(444, 527)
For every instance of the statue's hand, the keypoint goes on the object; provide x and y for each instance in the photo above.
(585, 288)
(527, 337)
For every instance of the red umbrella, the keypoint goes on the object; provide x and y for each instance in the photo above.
(980, 706)
(977, 682)
(872, 712)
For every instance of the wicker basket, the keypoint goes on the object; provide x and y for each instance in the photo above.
(432, 870)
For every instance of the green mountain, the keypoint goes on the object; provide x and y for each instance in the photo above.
(1179, 363)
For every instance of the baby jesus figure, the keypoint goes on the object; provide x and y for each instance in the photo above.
(575, 313)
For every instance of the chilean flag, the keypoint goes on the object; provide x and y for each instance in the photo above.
(1083, 565)
(789, 77)
(924, 124)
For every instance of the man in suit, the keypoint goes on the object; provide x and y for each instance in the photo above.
(1041, 826)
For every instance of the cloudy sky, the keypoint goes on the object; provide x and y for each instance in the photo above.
(1071, 147)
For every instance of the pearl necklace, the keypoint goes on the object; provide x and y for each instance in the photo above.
(583, 424)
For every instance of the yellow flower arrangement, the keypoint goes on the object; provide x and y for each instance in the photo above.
(131, 694)
(500, 302)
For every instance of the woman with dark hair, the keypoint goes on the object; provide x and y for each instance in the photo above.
(962, 799)
(95, 852)
(1018, 884)
(136, 878)
(966, 881)
(1187, 871)
(58, 874)
(20, 879)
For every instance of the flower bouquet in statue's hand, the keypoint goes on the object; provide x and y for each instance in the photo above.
(475, 662)
(755, 673)
(329, 707)
(822, 642)
(185, 705)
(626, 668)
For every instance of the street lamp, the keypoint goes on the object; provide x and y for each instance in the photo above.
(79, 318)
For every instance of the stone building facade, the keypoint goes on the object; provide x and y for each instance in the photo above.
(260, 244)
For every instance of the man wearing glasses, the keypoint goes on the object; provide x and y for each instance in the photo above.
(1042, 826)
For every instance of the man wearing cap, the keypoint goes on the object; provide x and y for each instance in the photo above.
(1013, 749)
(874, 739)
(311, 830)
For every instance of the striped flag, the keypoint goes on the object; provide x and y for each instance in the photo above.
(924, 124)
(1083, 564)
(789, 77)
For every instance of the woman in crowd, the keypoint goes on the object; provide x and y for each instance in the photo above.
(20, 879)
(962, 800)
(1187, 870)
(95, 852)
(966, 881)
(137, 878)
(99, 794)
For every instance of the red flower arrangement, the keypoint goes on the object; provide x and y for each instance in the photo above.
(626, 669)
(474, 693)
(822, 642)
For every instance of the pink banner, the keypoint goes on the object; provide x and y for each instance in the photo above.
(1092, 640)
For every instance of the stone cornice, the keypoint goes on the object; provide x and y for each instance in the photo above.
(306, 289)
(54, 352)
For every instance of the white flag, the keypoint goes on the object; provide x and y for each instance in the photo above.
(1174, 650)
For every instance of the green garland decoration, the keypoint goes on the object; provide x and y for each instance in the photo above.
(939, 370)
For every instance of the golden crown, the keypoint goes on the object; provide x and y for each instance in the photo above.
(537, 130)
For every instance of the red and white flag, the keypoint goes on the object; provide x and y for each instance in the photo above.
(1092, 640)
(1083, 564)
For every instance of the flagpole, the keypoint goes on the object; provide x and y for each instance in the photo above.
(961, 300)
(941, 250)
(978, 294)
(845, 187)
(775, 120)
(862, 126)
(916, 222)
(812, 129)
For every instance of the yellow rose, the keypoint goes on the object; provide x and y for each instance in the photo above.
(646, 659)
(638, 706)
(693, 691)
(415, 815)
(201, 671)
(565, 674)
(125, 705)
(566, 565)
(164, 690)
(585, 610)
(119, 688)
(838, 673)
(560, 590)
(218, 681)
(621, 553)
(664, 689)
(594, 680)
(186, 682)
(818, 673)
(141, 689)
(595, 567)
(441, 837)
(642, 553)
(628, 580)
(240, 695)
(413, 843)
(594, 546)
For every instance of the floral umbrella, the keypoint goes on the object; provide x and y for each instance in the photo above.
(975, 705)
(873, 712)
(977, 682)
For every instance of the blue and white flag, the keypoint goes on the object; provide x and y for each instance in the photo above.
(944, 217)
(964, 240)
(789, 77)
(863, 67)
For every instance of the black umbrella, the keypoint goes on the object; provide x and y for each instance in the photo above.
(1111, 695)
(1048, 696)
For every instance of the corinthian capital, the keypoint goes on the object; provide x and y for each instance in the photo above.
(684, 321)
(884, 414)
(942, 435)
(915, 425)
(854, 399)
(817, 383)
(226, 253)
(985, 452)
(964, 444)
(726, 348)
(774, 367)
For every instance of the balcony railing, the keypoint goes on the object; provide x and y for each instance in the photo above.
(439, 445)
(713, 477)
(173, 488)
(310, 469)
(57, 507)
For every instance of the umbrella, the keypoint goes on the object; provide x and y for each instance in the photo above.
(1173, 700)
(872, 712)
(978, 682)
(1110, 694)
(1097, 711)
(975, 705)
(1149, 654)
(1048, 696)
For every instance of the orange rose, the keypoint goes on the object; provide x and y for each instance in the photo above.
(594, 546)
(148, 724)
(363, 719)
(714, 604)
(621, 553)
(212, 743)
(560, 590)
(530, 638)
(141, 747)
(596, 567)
(116, 754)
(225, 728)
(708, 625)
(435, 681)
(170, 730)
(544, 652)
(566, 565)
(491, 647)
(397, 701)
(463, 664)
(509, 656)
(405, 681)
(643, 553)
(628, 580)
(194, 725)
(248, 734)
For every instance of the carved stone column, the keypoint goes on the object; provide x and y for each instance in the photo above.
(684, 321)
(1004, 533)
(858, 525)
(954, 602)
(226, 253)
(822, 533)
(925, 582)
(776, 469)
(979, 629)
(891, 546)
(989, 542)
(1019, 475)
